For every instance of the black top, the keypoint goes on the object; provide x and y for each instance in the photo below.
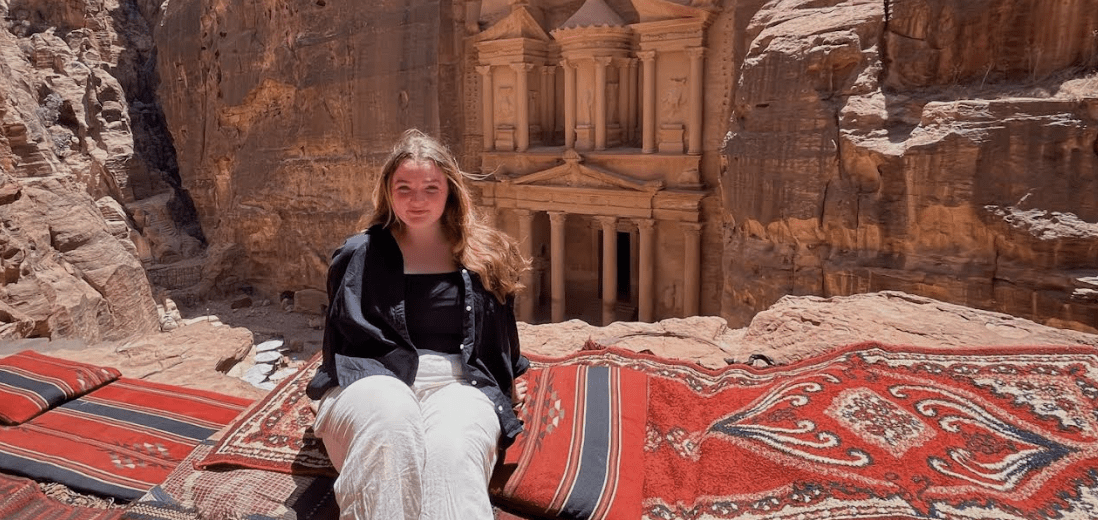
(434, 311)
(366, 330)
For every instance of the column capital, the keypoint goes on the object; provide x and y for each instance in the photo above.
(483, 70)
(520, 67)
(549, 70)
(691, 228)
(695, 52)
(523, 213)
(646, 56)
(607, 221)
(557, 217)
(603, 60)
(645, 224)
(624, 63)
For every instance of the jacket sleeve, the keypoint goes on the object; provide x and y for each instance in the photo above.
(519, 363)
(325, 377)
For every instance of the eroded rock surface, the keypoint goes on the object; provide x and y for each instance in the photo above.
(85, 199)
(798, 327)
(187, 356)
(934, 148)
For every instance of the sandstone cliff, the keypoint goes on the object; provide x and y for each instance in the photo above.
(85, 204)
(940, 148)
(948, 149)
(281, 113)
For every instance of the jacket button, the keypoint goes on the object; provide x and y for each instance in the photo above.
(500, 408)
(468, 307)
(474, 383)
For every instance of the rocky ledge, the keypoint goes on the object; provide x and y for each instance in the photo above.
(216, 352)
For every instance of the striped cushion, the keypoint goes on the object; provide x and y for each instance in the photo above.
(31, 383)
(119, 440)
(584, 435)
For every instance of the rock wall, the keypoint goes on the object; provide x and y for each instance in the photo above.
(282, 112)
(80, 141)
(941, 148)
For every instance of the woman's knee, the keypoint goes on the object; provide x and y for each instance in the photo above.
(380, 403)
(461, 421)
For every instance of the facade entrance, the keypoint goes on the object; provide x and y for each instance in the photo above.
(592, 147)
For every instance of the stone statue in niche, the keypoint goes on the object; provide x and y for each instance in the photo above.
(612, 102)
(589, 105)
(671, 296)
(506, 103)
(675, 98)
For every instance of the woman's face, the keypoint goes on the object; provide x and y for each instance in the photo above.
(418, 190)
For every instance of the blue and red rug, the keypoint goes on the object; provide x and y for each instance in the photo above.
(118, 440)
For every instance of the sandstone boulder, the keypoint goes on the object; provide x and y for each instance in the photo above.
(197, 355)
(799, 327)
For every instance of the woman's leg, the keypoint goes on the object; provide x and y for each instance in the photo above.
(461, 432)
(373, 433)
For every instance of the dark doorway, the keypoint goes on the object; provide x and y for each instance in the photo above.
(625, 277)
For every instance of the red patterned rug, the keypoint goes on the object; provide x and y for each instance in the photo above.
(871, 432)
(868, 432)
(119, 440)
(276, 434)
(21, 499)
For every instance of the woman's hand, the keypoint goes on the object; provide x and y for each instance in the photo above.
(518, 394)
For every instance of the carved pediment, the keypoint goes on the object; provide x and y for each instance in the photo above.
(520, 24)
(594, 13)
(573, 173)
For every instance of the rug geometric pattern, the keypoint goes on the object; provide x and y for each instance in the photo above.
(868, 432)
(873, 432)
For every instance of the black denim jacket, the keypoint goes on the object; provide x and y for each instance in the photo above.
(366, 331)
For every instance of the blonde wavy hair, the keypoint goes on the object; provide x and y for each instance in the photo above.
(478, 247)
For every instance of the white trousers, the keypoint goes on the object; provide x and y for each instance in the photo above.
(424, 452)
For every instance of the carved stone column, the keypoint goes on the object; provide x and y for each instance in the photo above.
(609, 267)
(600, 102)
(647, 260)
(631, 108)
(489, 124)
(697, 57)
(522, 104)
(569, 104)
(548, 103)
(691, 268)
(526, 248)
(556, 238)
(648, 96)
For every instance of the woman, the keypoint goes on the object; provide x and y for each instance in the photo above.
(417, 388)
